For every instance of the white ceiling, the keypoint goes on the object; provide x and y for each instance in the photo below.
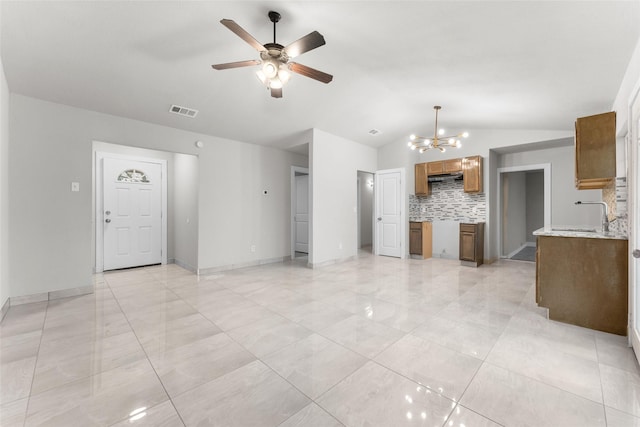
(515, 64)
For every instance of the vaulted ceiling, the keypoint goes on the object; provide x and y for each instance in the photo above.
(502, 64)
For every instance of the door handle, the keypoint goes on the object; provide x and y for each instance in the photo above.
(379, 218)
(636, 253)
(107, 220)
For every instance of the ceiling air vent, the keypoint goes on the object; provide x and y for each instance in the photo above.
(183, 111)
(374, 132)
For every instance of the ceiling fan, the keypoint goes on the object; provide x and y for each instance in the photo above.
(275, 68)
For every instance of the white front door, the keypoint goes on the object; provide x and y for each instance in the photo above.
(301, 215)
(389, 218)
(132, 203)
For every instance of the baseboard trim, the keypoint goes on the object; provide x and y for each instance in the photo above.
(212, 270)
(518, 250)
(184, 265)
(50, 296)
(331, 262)
(4, 309)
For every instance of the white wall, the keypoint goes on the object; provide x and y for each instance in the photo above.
(514, 213)
(185, 210)
(563, 191)
(335, 163)
(629, 83)
(535, 203)
(5, 291)
(50, 244)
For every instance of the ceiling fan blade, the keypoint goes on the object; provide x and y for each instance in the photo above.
(244, 35)
(276, 93)
(237, 64)
(305, 44)
(310, 72)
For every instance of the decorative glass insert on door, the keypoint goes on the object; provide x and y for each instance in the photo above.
(133, 175)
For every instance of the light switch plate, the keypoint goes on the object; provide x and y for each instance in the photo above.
(75, 186)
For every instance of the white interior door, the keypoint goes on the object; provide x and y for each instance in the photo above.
(389, 218)
(132, 203)
(301, 215)
(633, 177)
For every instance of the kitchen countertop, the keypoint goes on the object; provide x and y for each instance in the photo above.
(577, 231)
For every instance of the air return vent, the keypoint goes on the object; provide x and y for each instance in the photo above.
(374, 132)
(183, 111)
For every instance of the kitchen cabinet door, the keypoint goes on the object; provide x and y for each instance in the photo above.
(472, 243)
(472, 174)
(453, 165)
(421, 184)
(435, 168)
(595, 148)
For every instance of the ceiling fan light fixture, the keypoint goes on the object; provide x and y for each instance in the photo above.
(438, 140)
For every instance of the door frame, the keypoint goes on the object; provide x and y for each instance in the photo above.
(99, 195)
(404, 226)
(546, 167)
(633, 209)
(301, 170)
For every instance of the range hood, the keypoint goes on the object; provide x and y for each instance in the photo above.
(445, 177)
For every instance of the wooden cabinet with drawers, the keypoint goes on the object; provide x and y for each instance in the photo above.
(420, 235)
(472, 243)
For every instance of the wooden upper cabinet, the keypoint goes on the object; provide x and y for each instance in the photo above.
(452, 165)
(435, 168)
(472, 174)
(421, 184)
(595, 145)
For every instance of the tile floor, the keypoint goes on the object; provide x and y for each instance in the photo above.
(371, 342)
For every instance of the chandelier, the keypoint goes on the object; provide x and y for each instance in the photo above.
(438, 140)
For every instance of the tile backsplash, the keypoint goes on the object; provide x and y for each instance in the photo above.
(448, 202)
(620, 222)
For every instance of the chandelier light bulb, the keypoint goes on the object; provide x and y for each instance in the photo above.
(412, 137)
(465, 134)
(270, 70)
(413, 147)
(441, 132)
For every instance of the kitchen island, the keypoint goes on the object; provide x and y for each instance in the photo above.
(581, 277)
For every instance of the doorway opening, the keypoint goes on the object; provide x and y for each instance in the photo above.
(179, 205)
(365, 211)
(525, 206)
(300, 213)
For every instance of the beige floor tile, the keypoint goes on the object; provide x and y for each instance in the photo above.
(17, 364)
(66, 360)
(99, 400)
(617, 418)
(376, 396)
(162, 415)
(466, 338)
(621, 389)
(14, 413)
(512, 399)
(312, 416)
(188, 366)
(444, 371)
(363, 336)
(250, 396)
(315, 315)
(543, 360)
(268, 335)
(463, 417)
(314, 364)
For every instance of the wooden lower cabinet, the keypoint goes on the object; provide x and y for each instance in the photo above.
(472, 243)
(420, 235)
(583, 281)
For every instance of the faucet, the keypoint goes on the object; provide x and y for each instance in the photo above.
(605, 217)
